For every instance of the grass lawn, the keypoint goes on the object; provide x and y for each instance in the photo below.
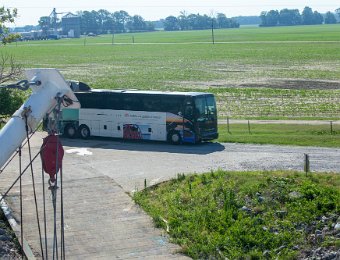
(254, 72)
(283, 134)
(238, 215)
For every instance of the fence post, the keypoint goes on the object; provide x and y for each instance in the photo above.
(228, 125)
(331, 123)
(144, 183)
(249, 127)
(306, 164)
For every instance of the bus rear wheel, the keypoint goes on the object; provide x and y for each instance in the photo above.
(70, 131)
(84, 132)
(175, 138)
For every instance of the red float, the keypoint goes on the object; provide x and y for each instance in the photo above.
(52, 154)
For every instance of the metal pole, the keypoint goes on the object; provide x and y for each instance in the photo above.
(307, 165)
(212, 31)
(331, 122)
(228, 127)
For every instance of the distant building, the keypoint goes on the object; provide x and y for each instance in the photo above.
(71, 25)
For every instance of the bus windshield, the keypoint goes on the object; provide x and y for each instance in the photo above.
(205, 107)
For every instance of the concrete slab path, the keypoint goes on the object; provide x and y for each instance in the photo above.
(101, 220)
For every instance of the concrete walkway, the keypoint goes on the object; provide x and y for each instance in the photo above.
(101, 220)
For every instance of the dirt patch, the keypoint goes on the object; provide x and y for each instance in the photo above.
(263, 83)
(295, 84)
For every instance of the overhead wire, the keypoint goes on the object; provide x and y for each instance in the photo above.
(44, 206)
(21, 207)
(16, 153)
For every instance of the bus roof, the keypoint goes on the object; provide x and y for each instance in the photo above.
(147, 92)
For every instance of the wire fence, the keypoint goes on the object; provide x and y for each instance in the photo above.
(256, 105)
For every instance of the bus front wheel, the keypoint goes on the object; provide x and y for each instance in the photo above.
(84, 132)
(70, 131)
(175, 137)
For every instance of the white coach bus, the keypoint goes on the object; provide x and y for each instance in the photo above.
(176, 117)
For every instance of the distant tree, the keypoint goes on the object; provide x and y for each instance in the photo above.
(234, 23)
(247, 20)
(45, 25)
(338, 12)
(270, 18)
(106, 21)
(204, 22)
(318, 18)
(183, 21)
(119, 20)
(330, 18)
(150, 26)
(89, 22)
(222, 21)
(136, 24)
(171, 24)
(289, 17)
(307, 16)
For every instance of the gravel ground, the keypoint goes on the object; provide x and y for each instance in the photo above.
(8, 249)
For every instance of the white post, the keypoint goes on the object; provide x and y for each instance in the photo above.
(41, 101)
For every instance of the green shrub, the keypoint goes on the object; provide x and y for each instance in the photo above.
(10, 100)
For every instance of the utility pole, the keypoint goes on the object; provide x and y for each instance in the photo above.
(212, 31)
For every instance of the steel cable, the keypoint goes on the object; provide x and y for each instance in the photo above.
(33, 184)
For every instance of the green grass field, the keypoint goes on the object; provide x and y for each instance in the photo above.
(281, 134)
(284, 72)
(248, 215)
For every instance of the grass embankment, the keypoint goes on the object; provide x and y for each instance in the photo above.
(249, 214)
(282, 134)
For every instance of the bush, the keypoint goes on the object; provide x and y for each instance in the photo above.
(10, 100)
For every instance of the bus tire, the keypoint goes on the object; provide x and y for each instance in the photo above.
(175, 138)
(70, 131)
(84, 132)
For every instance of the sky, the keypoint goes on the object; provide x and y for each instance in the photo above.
(31, 11)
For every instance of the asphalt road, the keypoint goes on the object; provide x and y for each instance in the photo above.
(131, 163)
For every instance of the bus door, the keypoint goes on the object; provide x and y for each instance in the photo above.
(188, 133)
(206, 117)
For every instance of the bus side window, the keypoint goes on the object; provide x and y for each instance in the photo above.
(151, 103)
(132, 103)
(113, 102)
(172, 104)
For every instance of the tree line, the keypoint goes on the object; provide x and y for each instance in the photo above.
(288, 17)
(103, 22)
(186, 22)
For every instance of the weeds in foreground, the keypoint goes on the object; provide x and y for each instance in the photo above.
(253, 214)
